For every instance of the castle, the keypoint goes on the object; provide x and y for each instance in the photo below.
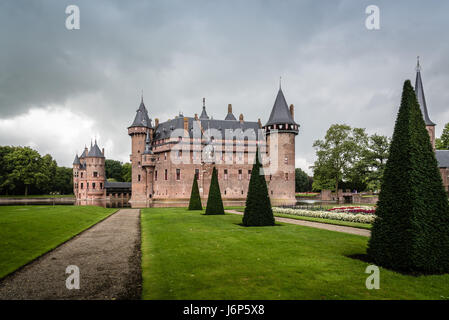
(167, 156)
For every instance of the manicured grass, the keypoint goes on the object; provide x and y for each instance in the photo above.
(186, 255)
(328, 221)
(307, 194)
(26, 232)
(39, 196)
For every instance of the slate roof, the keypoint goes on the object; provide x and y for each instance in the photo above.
(77, 160)
(165, 129)
(84, 154)
(442, 158)
(148, 145)
(280, 114)
(95, 151)
(204, 114)
(419, 90)
(141, 119)
(117, 185)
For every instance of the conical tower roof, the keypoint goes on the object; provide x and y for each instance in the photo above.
(419, 90)
(280, 114)
(95, 151)
(204, 115)
(141, 119)
(77, 160)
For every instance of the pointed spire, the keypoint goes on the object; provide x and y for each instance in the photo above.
(280, 113)
(77, 160)
(141, 119)
(419, 90)
(204, 115)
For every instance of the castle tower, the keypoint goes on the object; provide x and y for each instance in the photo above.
(419, 90)
(281, 130)
(138, 131)
(95, 173)
(76, 169)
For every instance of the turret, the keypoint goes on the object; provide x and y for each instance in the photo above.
(76, 167)
(281, 130)
(95, 173)
(419, 91)
(139, 130)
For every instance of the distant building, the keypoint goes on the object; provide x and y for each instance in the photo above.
(441, 155)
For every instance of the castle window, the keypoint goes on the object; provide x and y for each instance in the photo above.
(197, 174)
(166, 174)
(87, 185)
(82, 185)
(242, 191)
(240, 174)
(93, 185)
(271, 177)
(178, 174)
(101, 185)
(81, 174)
(249, 174)
(138, 177)
(165, 156)
(95, 174)
(286, 160)
(155, 175)
(226, 174)
(286, 176)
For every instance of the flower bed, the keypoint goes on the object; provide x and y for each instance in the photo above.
(342, 216)
(354, 210)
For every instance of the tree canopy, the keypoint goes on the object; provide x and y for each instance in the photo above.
(442, 143)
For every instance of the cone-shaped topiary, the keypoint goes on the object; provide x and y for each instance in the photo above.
(258, 210)
(214, 202)
(195, 199)
(411, 232)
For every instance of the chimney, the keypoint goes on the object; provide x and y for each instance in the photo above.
(229, 108)
(102, 151)
(292, 111)
(186, 126)
(156, 122)
(259, 122)
(196, 116)
(241, 117)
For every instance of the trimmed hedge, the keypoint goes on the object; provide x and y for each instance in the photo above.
(214, 202)
(411, 232)
(258, 210)
(195, 199)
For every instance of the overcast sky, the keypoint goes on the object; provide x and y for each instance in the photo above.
(60, 88)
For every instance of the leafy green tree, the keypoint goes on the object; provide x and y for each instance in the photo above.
(5, 169)
(113, 169)
(24, 166)
(258, 210)
(195, 199)
(301, 181)
(63, 181)
(442, 143)
(126, 172)
(214, 201)
(337, 155)
(411, 232)
(374, 159)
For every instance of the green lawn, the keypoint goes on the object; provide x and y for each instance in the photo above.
(26, 232)
(186, 255)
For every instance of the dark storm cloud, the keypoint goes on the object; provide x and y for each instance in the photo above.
(334, 70)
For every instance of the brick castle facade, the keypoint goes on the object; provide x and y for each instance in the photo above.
(167, 156)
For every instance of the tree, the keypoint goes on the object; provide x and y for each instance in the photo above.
(374, 159)
(336, 155)
(24, 166)
(301, 181)
(113, 169)
(214, 202)
(126, 172)
(411, 231)
(63, 181)
(258, 210)
(195, 199)
(442, 143)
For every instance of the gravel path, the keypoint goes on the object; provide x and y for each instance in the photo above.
(325, 226)
(108, 258)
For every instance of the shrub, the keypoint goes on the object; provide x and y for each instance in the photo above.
(214, 202)
(411, 232)
(195, 199)
(258, 210)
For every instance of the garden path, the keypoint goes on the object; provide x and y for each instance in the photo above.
(108, 258)
(325, 226)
